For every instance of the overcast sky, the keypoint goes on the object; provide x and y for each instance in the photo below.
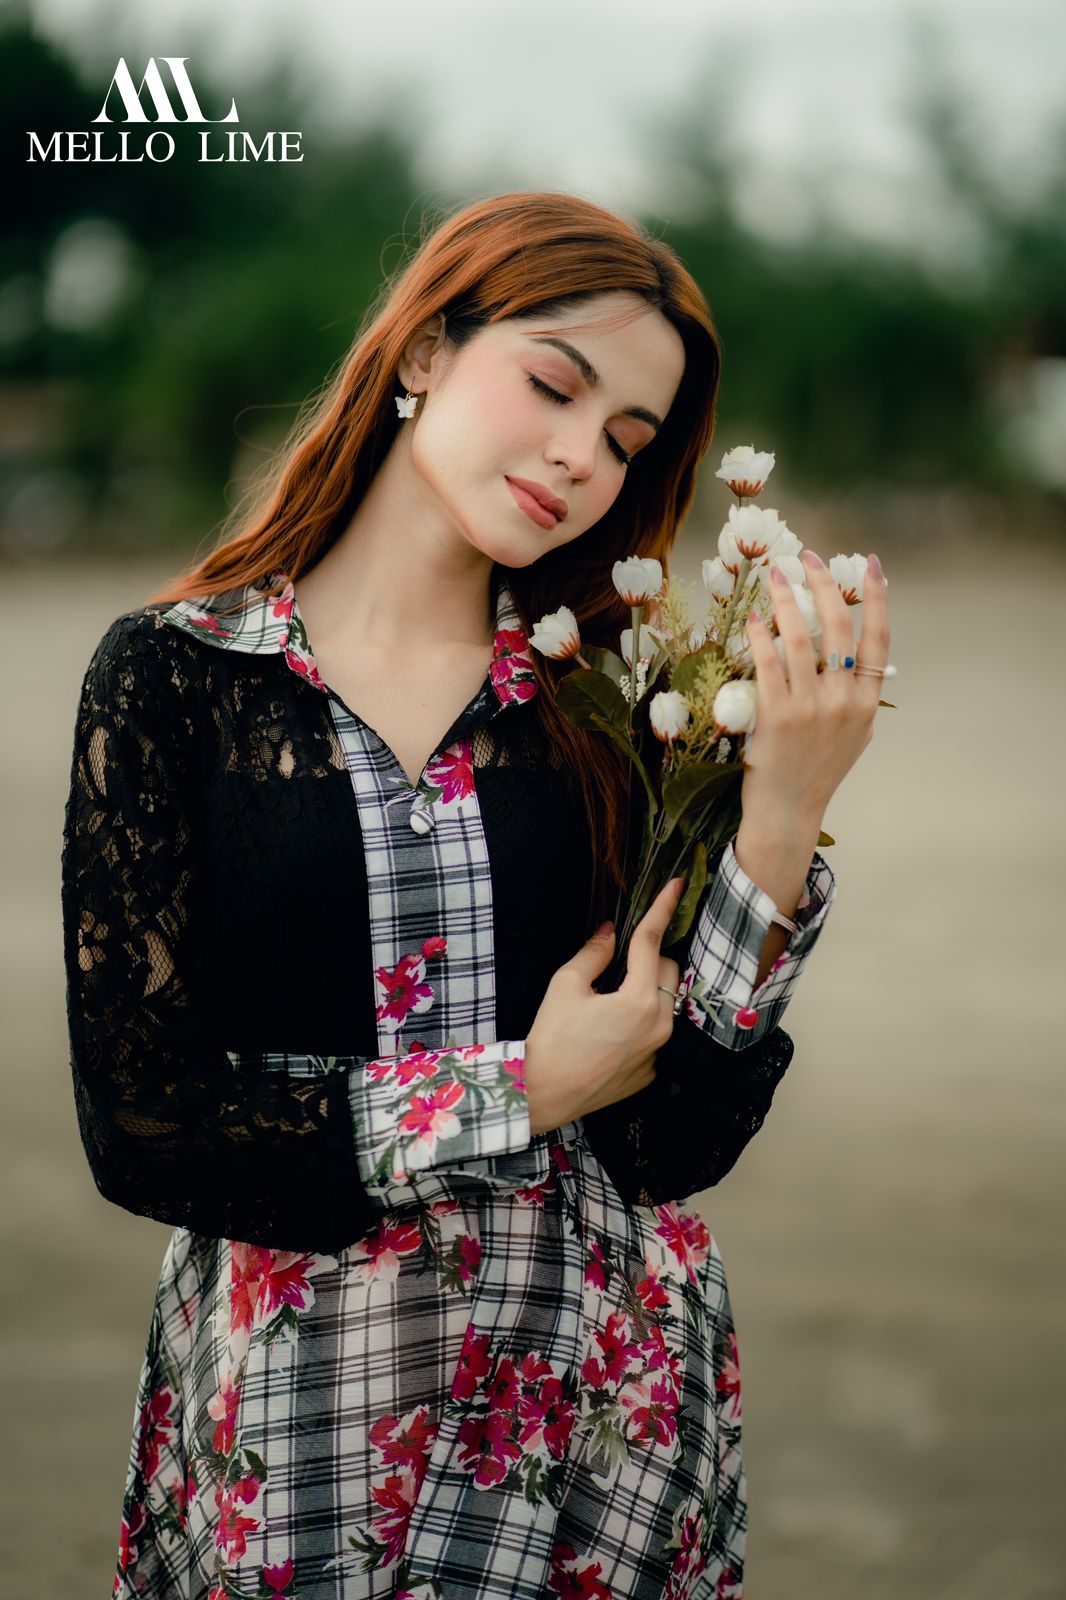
(560, 94)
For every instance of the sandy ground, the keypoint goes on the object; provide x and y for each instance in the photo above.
(893, 1237)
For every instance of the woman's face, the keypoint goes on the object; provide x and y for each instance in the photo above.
(488, 418)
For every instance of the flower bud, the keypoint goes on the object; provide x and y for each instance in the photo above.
(637, 579)
(556, 635)
(670, 714)
(735, 705)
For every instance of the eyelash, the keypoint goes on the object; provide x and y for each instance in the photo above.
(565, 400)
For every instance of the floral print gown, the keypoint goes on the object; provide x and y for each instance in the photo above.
(513, 1384)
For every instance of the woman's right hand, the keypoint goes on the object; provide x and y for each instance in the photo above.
(586, 1050)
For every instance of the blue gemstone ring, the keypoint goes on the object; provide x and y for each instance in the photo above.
(849, 661)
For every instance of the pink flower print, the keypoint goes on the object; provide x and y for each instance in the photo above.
(686, 1234)
(547, 1419)
(535, 1367)
(231, 1536)
(402, 991)
(652, 1407)
(688, 1563)
(176, 1496)
(469, 1256)
(575, 1577)
(651, 1292)
(417, 1064)
(429, 1119)
(487, 1451)
(223, 1406)
(156, 1429)
(434, 947)
(515, 1067)
(511, 669)
(247, 1264)
(536, 1194)
(502, 1388)
(381, 1249)
(209, 624)
(596, 1267)
(618, 1353)
(658, 1355)
(452, 771)
(396, 1497)
(729, 1585)
(285, 1281)
(560, 1157)
(129, 1532)
(443, 1208)
(472, 1366)
(405, 1441)
(727, 1378)
(279, 1576)
(304, 664)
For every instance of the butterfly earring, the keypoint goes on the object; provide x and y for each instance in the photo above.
(405, 405)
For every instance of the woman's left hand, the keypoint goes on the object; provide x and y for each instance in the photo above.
(811, 727)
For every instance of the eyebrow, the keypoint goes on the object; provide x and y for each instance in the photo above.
(592, 377)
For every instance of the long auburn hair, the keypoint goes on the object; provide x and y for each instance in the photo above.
(500, 257)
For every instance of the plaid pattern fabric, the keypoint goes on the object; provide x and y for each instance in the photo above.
(515, 1384)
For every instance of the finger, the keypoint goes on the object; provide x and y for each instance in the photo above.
(799, 648)
(769, 668)
(872, 646)
(838, 630)
(642, 962)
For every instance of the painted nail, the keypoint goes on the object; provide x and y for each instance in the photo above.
(875, 567)
(776, 575)
(753, 616)
(811, 558)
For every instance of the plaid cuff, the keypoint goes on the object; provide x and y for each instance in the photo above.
(723, 957)
(432, 1121)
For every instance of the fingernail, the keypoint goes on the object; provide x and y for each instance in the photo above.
(678, 885)
(603, 930)
(811, 558)
(776, 575)
(875, 567)
(753, 616)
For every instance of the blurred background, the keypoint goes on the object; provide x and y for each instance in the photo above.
(874, 202)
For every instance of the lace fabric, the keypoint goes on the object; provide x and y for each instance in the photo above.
(209, 872)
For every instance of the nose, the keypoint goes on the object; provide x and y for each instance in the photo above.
(574, 451)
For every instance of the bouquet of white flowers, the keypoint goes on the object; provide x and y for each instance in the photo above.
(705, 703)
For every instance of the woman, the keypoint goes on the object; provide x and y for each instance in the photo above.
(434, 1319)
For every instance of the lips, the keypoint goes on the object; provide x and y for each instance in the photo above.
(543, 496)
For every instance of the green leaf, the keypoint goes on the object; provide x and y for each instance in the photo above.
(583, 695)
(621, 739)
(681, 920)
(685, 676)
(691, 790)
(605, 661)
(826, 838)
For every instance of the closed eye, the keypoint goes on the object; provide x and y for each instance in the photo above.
(567, 400)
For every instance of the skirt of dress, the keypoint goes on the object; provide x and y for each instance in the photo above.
(531, 1393)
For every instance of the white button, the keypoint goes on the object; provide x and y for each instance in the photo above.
(421, 821)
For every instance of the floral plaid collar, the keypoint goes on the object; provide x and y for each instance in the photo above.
(266, 625)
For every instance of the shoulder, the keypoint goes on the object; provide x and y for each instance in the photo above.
(142, 670)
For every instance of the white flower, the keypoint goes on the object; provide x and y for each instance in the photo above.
(650, 642)
(787, 545)
(754, 529)
(746, 469)
(791, 566)
(735, 705)
(556, 635)
(669, 713)
(637, 579)
(717, 577)
(849, 572)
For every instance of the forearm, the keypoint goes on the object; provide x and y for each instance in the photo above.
(776, 852)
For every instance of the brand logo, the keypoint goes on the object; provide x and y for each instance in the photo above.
(159, 145)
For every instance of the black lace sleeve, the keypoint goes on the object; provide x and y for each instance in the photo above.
(687, 1129)
(172, 1129)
